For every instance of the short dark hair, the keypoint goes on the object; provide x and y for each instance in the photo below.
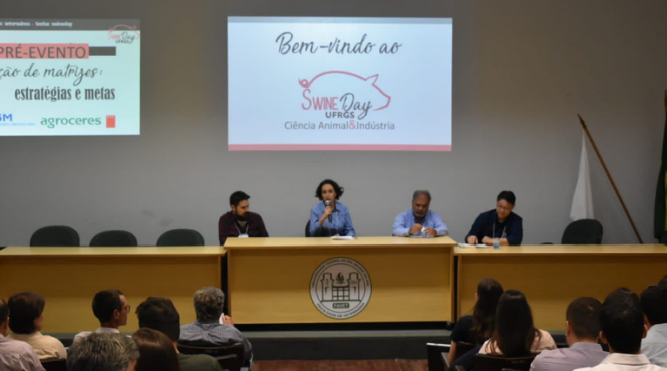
(102, 352)
(160, 314)
(420, 192)
(654, 305)
(338, 189)
(4, 311)
(663, 282)
(105, 303)
(209, 302)
(622, 321)
(156, 350)
(25, 308)
(584, 317)
(507, 196)
(237, 197)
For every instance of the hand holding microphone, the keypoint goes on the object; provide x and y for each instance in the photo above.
(328, 211)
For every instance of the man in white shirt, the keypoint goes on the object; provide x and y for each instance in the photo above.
(654, 304)
(15, 355)
(582, 329)
(622, 328)
(111, 309)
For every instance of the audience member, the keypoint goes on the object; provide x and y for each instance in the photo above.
(582, 329)
(478, 328)
(15, 355)
(26, 322)
(160, 314)
(622, 328)
(663, 283)
(103, 352)
(157, 353)
(654, 304)
(514, 334)
(207, 329)
(111, 309)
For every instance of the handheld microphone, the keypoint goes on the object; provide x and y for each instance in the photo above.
(327, 203)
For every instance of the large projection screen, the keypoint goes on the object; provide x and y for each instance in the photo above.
(360, 84)
(69, 77)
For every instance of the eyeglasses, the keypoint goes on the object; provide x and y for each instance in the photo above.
(127, 308)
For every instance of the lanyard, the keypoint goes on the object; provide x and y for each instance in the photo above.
(494, 231)
(246, 228)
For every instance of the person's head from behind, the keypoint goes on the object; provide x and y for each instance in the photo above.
(111, 308)
(240, 204)
(103, 352)
(421, 200)
(514, 333)
(654, 305)
(328, 190)
(209, 302)
(157, 352)
(487, 297)
(160, 314)
(582, 321)
(505, 204)
(4, 317)
(27, 312)
(622, 322)
(663, 283)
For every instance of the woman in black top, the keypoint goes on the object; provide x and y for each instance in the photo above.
(479, 327)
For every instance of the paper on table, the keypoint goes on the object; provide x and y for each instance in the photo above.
(337, 237)
(474, 245)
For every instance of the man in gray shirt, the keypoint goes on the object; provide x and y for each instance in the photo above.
(212, 328)
(654, 345)
(15, 355)
(582, 329)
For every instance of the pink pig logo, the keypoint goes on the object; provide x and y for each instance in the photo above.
(345, 88)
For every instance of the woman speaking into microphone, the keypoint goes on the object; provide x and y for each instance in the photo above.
(330, 217)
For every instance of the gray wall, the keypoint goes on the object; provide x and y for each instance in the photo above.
(522, 71)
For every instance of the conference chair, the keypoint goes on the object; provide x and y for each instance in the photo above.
(583, 231)
(222, 354)
(113, 239)
(54, 364)
(486, 362)
(181, 237)
(308, 229)
(55, 236)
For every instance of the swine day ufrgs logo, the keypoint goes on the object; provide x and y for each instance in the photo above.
(341, 94)
(340, 288)
(124, 34)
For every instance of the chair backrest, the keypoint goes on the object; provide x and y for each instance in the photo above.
(308, 229)
(583, 231)
(54, 364)
(220, 353)
(462, 348)
(56, 236)
(114, 239)
(435, 354)
(486, 362)
(181, 237)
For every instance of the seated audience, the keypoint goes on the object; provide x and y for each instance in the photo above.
(622, 328)
(156, 351)
(103, 352)
(160, 314)
(663, 282)
(500, 223)
(207, 329)
(26, 322)
(514, 334)
(15, 355)
(478, 328)
(654, 304)
(582, 329)
(111, 309)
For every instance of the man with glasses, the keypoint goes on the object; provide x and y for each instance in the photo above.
(499, 223)
(111, 309)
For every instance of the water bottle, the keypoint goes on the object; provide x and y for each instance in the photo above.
(496, 244)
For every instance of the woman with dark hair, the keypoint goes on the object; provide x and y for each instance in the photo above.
(499, 223)
(156, 351)
(514, 334)
(330, 217)
(25, 320)
(478, 328)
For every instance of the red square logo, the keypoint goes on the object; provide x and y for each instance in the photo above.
(111, 121)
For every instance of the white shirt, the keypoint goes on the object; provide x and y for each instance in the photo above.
(81, 335)
(44, 345)
(655, 345)
(624, 362)
(18, 356)
(539, 344)
(567, 359)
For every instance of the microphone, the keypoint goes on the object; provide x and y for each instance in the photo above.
(327, 203)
